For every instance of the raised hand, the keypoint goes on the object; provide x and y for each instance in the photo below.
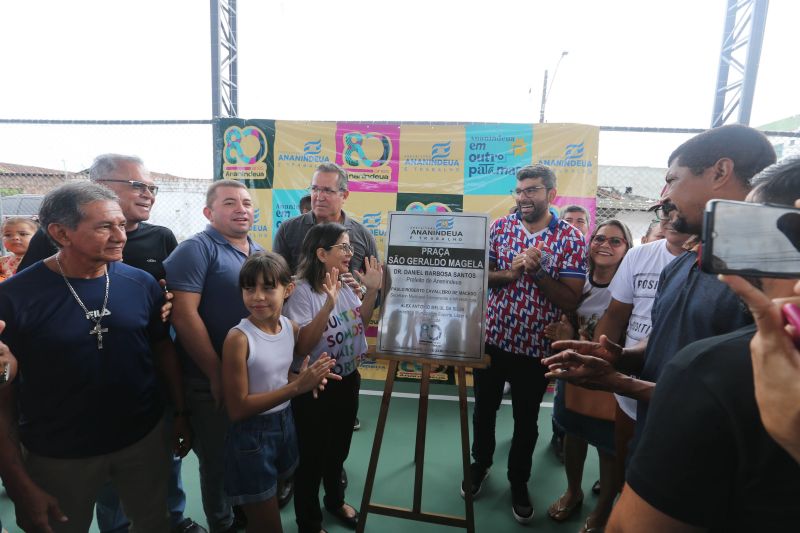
(372, 277)
(331, 285)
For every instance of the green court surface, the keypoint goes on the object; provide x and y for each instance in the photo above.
(442, 475)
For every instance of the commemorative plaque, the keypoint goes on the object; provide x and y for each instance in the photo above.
(436, 279)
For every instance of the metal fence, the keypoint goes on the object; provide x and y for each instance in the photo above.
(179, 154)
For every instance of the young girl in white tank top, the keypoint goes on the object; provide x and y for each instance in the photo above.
(261, 444)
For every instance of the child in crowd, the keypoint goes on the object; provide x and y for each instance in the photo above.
(17, 233)
(261, 444)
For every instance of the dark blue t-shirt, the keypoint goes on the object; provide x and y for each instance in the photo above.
(74, 399)
(690, 305)
(208, 264)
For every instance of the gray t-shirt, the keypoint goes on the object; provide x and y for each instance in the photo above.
(289, 240)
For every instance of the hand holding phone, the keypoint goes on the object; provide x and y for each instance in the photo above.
(750, 239)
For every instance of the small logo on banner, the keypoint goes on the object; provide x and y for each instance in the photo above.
(371, 220)
(312, 147)
(443, 224)
(574, 158)
(440, 150)
(244, 152)
(573, 151)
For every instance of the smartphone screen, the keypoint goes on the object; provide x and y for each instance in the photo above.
(751, 239)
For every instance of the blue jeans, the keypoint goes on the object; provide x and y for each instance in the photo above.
(111, 518)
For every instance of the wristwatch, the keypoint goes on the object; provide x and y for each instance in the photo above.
(363, 290)
(539, 274)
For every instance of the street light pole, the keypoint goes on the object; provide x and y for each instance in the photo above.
(546, 90)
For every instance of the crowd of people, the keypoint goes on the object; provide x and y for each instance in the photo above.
(122, 350)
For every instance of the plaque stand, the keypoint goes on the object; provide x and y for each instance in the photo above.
(416, 513)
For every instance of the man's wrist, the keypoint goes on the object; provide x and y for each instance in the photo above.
(539, 274)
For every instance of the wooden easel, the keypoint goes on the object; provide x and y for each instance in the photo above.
(416, 513)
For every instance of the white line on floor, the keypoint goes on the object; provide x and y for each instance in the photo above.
(434, 397)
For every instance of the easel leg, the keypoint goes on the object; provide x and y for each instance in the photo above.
(465, 458)
(419, 449)
(376, 447)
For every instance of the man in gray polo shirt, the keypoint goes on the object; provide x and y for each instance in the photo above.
(328, 193)
(203, 274)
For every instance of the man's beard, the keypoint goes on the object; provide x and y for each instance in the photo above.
(536, 214)
(681, 225)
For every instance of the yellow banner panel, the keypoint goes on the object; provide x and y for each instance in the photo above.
(571, 151)
(299, 148)
(431, 159)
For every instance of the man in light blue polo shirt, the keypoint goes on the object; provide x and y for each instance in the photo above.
(203, 274)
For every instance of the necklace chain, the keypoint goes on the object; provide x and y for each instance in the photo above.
(97, 330)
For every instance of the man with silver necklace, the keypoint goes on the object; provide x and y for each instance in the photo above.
(86, 331)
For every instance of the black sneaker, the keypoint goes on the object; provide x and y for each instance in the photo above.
(189, 526)
(521, 503)
(478, 473)
(356, 424)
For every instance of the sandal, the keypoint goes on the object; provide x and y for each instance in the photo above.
(591, 529)
(560, 512)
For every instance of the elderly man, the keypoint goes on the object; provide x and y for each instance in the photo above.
(84, 328)
(203, 271)
(328, 193)
(147, 247)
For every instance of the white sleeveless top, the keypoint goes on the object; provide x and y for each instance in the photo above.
(269, 358)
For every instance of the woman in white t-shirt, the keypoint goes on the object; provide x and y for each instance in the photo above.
(325, 425)
(608, 245)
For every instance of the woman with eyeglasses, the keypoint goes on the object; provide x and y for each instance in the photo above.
(325, 425)
(587, 416)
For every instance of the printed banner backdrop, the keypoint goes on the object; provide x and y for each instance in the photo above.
(402, 166)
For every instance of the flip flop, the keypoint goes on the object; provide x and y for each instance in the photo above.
(587, 529)
(560, 512)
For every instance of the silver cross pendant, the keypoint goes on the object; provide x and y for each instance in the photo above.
(98, 330)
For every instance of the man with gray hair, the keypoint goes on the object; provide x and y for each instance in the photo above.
(85, 408)
(328, 193)
(147, 247)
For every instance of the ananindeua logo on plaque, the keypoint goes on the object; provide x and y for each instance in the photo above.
(436, 279)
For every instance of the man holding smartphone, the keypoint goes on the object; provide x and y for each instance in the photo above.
(705, 461)
(690, 304)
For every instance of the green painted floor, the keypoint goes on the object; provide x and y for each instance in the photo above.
(395, 476)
